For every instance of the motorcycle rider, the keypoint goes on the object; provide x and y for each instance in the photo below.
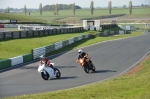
(81, 55)
(45, 61)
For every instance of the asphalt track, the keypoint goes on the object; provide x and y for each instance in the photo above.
(110, 58)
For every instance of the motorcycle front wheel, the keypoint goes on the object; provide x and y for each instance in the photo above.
(58, 74)
(45, 76)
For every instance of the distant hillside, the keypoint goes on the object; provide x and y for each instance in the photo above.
(20, 18)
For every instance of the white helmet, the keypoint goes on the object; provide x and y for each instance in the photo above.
(80, 51)
(42, 57)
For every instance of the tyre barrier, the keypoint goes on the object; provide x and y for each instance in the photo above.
(47, 49)
(110, 33)
(32, 33)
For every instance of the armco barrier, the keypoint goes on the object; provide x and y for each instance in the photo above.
(47, 49)
(5, 63)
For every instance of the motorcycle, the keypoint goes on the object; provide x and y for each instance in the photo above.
(48, 72)
(87, 64)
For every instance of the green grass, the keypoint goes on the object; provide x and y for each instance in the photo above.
(25, 45)
(20, 18)
(128, 86)
(80, 14)
(86, 12)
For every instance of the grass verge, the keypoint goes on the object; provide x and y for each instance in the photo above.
(132, 85)
(15, 47)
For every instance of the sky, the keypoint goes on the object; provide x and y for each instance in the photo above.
(82, 3)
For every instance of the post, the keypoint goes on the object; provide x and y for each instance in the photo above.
(33, 33)
(4, 35)
(12, 35)
(19, 34)
(48, 31)
(26, 33)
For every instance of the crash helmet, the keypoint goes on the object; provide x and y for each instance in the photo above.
(42, 57)
(80, 51)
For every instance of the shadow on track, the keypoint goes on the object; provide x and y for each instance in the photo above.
(103, 71)
(65, 66)
(64, 78)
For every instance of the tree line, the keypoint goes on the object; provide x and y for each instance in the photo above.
(55, 8)
(60, 7)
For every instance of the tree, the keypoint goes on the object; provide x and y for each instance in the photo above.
(109, 6)
(8, 9)
(40, 8)
(92, 7)
(124, 6)
(25, 9)
(130, 7)
(142, 5)
(56, 9)
(73, 7)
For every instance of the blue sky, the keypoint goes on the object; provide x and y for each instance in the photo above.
(81, 3)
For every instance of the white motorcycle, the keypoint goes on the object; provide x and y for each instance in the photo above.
(47, 72)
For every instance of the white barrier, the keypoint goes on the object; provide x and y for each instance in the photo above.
(16, 60)
(128, 27)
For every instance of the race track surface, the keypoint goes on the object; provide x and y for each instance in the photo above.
(110, 58)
